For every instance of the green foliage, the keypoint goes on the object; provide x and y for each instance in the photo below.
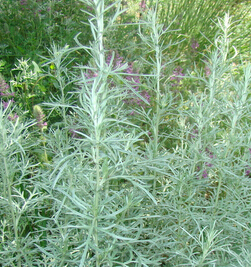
(28, 26)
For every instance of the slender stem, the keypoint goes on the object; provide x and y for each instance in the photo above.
(96, 205)
(97, 96)
(61, 82)
(44, 146)
(158, 58)
(14, 218)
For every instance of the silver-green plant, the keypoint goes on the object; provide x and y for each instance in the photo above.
(107, 195)
(152, 36)
(57, 65)
(206, 203)
(101, 203)
(19, 196)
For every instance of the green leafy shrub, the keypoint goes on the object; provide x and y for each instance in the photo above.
(27, 27)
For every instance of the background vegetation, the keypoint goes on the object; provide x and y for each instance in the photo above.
(125, 133)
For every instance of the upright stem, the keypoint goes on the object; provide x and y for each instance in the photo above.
(97, 94)
(15, 220)
(100, 29)
(96, 205)
(61, 82)
(157, 118)
(158, 62)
